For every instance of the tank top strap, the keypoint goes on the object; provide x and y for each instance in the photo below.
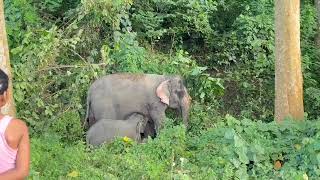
(4, 122)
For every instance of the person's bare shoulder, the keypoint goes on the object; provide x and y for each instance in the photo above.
(19, 126)
(15, 132)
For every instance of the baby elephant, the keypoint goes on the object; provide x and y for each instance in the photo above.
(105, 130)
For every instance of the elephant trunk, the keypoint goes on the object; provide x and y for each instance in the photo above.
(185, 108)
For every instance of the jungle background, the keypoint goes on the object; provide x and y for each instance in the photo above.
(223, 48)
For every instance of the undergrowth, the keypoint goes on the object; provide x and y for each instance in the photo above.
(232, 149)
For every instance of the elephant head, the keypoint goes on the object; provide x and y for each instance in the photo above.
(142, 124)
(173, 93)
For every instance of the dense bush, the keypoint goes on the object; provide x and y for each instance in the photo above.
(221, 48)
(69, 58)
(235, 40)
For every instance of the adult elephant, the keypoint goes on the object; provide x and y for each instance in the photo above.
(117, 96)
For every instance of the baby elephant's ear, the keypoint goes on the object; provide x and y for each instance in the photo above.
(163, 92)
(140, 128)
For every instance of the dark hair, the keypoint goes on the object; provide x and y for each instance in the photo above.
(3, 82)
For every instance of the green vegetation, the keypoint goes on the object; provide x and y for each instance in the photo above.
(225, 51)
(232, 149)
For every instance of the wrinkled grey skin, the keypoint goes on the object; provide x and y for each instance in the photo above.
(116, 96)
(105, 130)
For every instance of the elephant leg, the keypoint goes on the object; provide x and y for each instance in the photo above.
(149, 131)
(91, 122)
(158, 115)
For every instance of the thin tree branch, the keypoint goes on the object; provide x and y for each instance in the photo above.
(70, 66)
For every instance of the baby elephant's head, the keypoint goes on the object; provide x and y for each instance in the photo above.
(141, 121)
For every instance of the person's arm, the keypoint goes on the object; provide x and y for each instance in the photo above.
(21, 171)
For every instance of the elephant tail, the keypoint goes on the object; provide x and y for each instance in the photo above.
(88, 112)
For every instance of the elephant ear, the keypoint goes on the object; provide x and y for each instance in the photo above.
(139, 127)
(139, 130)
(163, 92)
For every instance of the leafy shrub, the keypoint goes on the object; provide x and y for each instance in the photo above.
(67, 59)
(173, 20)
(310, 56)
(242, 149)
(229, 42)
(68, 126)
(232, 149)
(53, 159)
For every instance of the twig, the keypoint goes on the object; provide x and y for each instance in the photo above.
(82, 58)
(172, 44)
(70, 66)
(77, 54)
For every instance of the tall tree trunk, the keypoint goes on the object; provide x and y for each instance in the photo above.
(317, 4)
(288, 75)
(9, 109)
